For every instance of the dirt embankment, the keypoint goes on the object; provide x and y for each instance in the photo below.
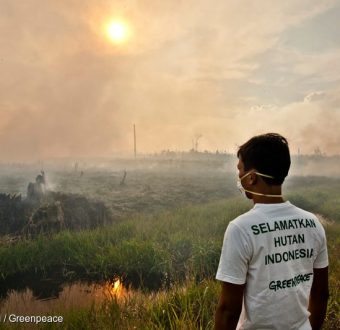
(51, 213)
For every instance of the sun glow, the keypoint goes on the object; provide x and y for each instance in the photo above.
(117, 31)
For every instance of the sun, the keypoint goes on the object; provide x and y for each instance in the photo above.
(117, 31)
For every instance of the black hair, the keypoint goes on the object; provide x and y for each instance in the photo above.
(268, 154)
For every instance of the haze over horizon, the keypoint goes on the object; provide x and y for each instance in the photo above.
(225, 71)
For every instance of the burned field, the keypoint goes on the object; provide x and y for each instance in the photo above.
(87, 199)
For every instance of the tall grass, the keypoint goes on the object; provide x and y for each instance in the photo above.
(144, 250)
(188, 307)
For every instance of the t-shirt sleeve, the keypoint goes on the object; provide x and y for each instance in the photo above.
(235, 255)
(321, 260)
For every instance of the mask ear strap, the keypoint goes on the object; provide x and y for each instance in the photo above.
(265, 175)
(244, 176)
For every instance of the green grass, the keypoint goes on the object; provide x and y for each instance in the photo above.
(142, 249)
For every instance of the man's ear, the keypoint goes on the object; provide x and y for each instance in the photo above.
(252, 178)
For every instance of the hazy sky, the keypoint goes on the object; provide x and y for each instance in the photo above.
(225, 69)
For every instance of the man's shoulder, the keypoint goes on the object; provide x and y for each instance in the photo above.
(303, 213)
(245, 218)
(257, 214)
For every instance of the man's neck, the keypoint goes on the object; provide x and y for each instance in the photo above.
(268, 190)
(267, 200)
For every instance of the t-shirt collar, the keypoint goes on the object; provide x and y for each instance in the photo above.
(271, 205)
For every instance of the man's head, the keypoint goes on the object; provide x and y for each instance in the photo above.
(267, 154)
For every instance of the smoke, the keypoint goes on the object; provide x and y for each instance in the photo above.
(221, 70)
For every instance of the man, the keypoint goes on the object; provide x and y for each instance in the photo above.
(274, 262)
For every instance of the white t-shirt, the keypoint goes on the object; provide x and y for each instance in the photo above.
(273, 248)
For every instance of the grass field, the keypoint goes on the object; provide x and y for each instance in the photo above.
(168, 258)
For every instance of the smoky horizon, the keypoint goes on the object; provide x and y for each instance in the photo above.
(77, 77)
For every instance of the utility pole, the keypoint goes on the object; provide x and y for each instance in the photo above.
(134, 139)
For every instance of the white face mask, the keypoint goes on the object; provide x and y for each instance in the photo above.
(240, 188)
(243, 191)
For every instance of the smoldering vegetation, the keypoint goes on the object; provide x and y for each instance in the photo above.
(84, 195)
(43, 211)
(51, 213)
(88, 193)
